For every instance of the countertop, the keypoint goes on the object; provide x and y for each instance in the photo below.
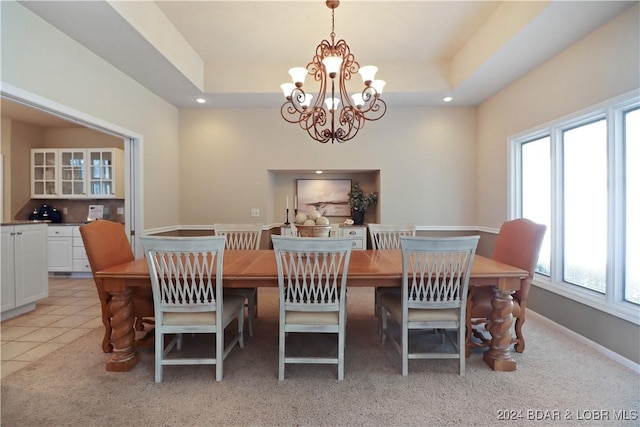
(26, 222)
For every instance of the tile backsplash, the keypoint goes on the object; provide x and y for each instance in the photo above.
(77, 210)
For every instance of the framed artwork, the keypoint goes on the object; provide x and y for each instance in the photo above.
(328, 196)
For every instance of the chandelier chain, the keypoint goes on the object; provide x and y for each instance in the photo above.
(333, 25)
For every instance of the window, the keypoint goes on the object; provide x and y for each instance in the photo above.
(580, 177)
(632, 204)
(536, 191)
(584, 205)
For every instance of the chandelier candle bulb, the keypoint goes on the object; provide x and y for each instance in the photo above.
(307, 100)
(298, 74)
(333, 115)
(287, 89)
(332, 106)
(332, 64)
(357, 99)
(378, 85)
(368, 73)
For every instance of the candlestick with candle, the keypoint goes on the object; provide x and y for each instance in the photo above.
(287, 210)
(295, 205)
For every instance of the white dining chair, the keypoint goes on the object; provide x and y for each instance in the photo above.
(435, 283)
(312, 285)
(387, 236)
(247, 237)
(186, 280)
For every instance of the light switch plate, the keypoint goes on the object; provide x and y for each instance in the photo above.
(120, 211)
(255, 212)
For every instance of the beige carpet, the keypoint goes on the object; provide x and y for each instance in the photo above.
(71, 386)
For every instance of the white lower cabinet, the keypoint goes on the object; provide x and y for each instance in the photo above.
(358, 233)
(60, 243)
(24, 277)
(66, 250)
(80, 260)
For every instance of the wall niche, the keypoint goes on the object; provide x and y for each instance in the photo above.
(283, 184)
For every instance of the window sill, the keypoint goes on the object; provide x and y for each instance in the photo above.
(623, 310)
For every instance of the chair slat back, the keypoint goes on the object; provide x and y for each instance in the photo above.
(186, 272)
(240, 236)
(436, 271)
(387, 236)
(312, 272)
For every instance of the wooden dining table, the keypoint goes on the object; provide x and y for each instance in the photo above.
(367, 268)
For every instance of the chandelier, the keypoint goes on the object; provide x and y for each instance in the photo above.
(334, 115)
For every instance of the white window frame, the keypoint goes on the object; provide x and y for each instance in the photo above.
(612, 301)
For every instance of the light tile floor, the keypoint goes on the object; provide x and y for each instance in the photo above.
(71, 311)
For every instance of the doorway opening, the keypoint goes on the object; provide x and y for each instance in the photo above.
(132, 151)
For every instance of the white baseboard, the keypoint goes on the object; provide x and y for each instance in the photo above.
(594, 345)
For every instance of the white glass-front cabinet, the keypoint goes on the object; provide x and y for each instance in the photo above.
(95, 173)
(44, 173)
(106, 178)
(72, 173)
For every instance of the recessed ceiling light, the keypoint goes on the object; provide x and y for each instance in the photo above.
(201, 100)
(447, 99)
(319, 172)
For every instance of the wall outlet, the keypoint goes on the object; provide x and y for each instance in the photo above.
(120, 211)
(65, 211)
(255, 212)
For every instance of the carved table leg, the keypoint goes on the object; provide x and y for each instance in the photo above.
(106, 321)
(498, 357)
(124, 356)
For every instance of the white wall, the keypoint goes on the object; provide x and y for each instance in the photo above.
(41, 60)
(24, 137)
(5, 149)
(426, 159)
(600, 66)
(438, 166)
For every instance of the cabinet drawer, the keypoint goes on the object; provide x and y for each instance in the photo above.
(79, 253)
(55, 231)
(77, 242)
(356, 232)
(286, 231)
(357, 244)
(81, 265)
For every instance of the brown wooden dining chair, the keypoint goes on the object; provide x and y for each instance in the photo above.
(107, 245)
(518, 244)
